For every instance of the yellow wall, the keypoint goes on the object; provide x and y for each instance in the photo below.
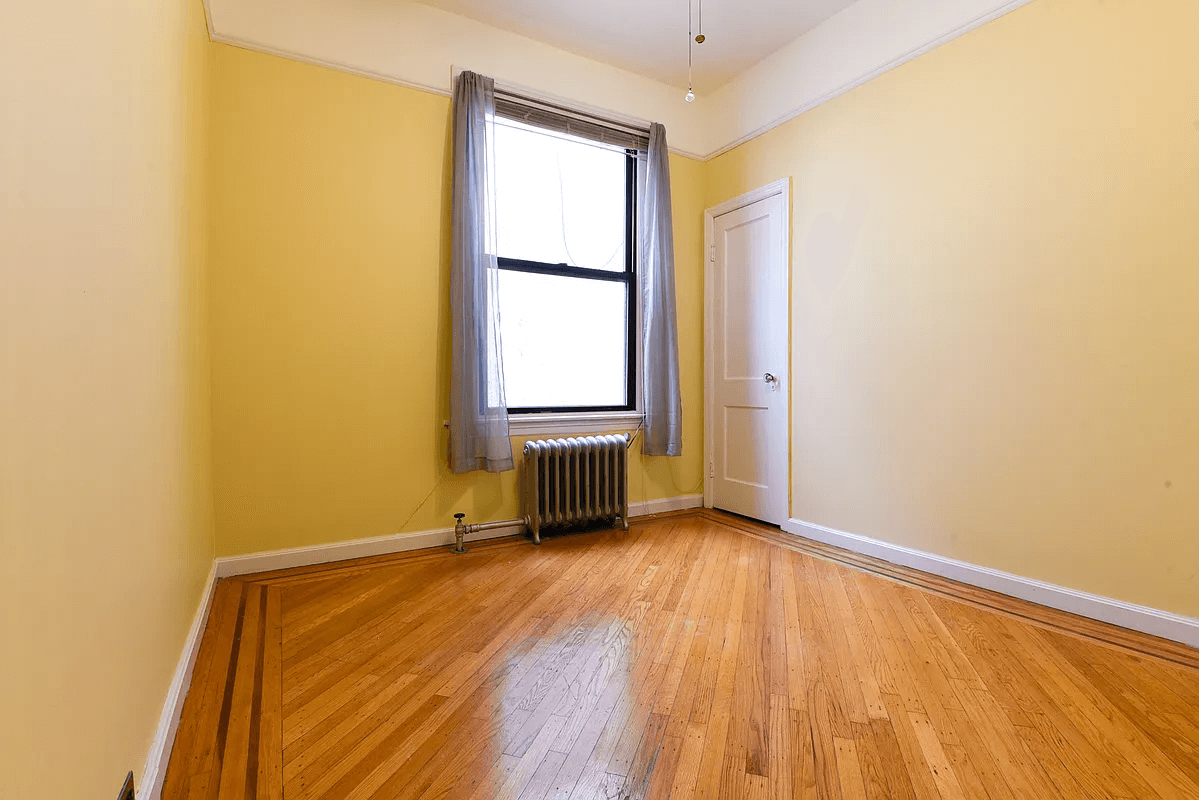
(105, 506)
(995, 329)
(330, 312)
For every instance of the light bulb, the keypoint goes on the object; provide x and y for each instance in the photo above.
(690, 98)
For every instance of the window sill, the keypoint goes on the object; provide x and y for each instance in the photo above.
(557, 425)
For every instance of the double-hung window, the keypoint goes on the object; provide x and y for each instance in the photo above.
(566, 238)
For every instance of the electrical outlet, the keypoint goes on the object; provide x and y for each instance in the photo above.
(127, 792)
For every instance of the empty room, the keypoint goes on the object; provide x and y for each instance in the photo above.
(455, 400)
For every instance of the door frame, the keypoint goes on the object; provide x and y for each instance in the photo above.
(782, 188)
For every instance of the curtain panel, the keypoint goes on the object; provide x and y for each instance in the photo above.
(663, 407)
(478, 407)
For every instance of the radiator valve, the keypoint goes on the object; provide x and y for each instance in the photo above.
(459, 533)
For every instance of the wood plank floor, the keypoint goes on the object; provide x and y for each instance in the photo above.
(696, 655)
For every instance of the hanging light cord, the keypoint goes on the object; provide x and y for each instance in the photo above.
(690, 92)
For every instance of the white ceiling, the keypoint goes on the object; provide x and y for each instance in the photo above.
(649, 37)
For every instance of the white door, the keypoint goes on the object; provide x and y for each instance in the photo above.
(748, 380)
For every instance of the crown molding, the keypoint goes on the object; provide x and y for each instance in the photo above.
(415, 45)
(305, 58)
(866, 40)
(412, 45)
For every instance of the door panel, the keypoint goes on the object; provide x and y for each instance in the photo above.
(746, 243)
(748, 430)
(750, 350)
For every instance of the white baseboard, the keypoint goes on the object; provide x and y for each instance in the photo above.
(155, 769)
(343, 551)
(1104, 609)
(401, 542)
(680, 503)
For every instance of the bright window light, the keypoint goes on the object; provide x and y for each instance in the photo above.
(563, 220)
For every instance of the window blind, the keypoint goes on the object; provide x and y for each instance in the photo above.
(567, 121)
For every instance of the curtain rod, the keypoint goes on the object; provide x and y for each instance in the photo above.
(583, 116)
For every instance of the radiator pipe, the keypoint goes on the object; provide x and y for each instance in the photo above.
(461, 529)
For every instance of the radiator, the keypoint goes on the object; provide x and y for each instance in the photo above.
(575, 481)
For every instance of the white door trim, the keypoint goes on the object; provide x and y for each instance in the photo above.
(782, 188)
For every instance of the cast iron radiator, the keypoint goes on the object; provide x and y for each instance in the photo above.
(575, 481)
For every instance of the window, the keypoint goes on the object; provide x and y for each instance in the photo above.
(565, 212)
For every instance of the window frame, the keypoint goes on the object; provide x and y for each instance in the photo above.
(527, 419)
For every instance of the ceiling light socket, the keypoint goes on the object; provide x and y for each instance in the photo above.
(699, 39)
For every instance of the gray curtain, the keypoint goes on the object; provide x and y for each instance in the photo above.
(478, 407)
(662, 404)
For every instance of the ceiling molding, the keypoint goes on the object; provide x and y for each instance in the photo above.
(866, 40)
(208, 20)
(413, 45)
(304, 58)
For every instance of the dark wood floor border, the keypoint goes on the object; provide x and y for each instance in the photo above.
(234, 767)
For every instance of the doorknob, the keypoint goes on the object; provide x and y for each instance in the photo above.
(769, 378)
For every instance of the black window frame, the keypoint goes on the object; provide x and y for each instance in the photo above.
(628, 277)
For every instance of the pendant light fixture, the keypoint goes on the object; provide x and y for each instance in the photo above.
(699, 39)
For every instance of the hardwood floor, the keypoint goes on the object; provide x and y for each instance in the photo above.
(696, 655)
